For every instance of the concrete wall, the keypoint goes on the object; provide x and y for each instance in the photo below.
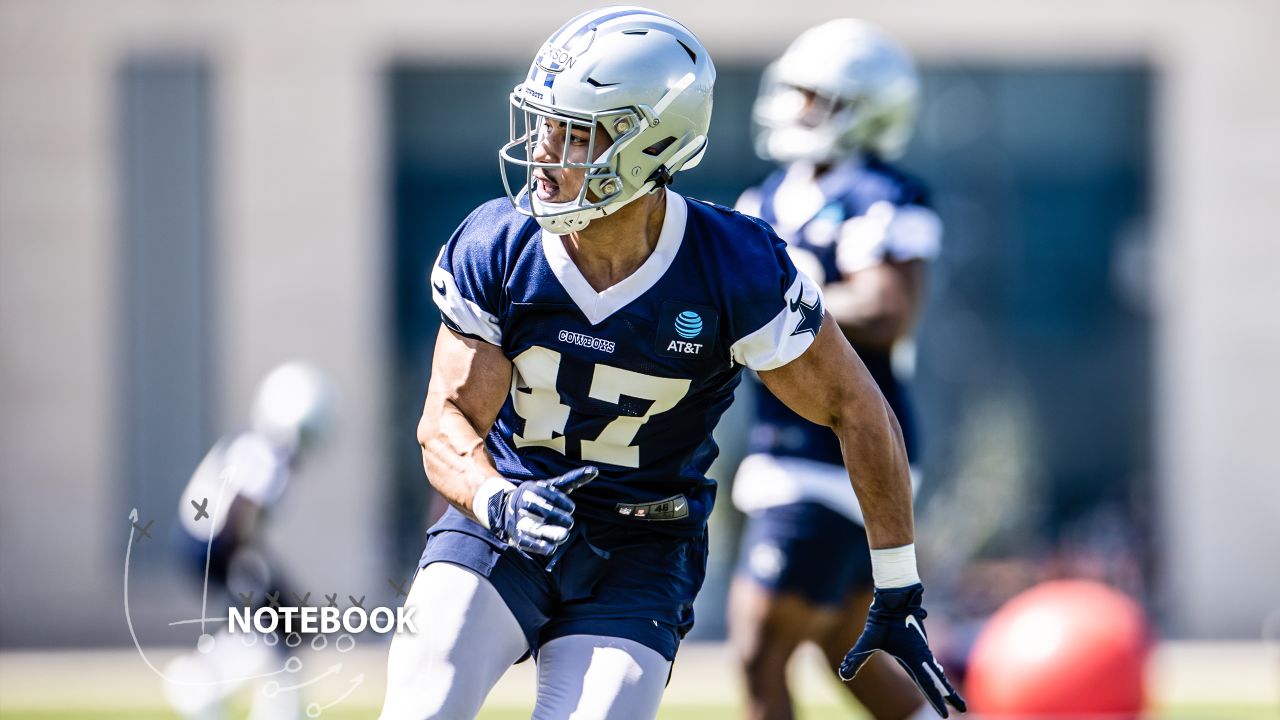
(298, 92)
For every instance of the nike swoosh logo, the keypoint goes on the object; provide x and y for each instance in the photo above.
(439, 288)
(912, 622)
(679, 506)
(795, 304)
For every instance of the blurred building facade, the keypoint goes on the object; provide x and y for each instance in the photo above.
(193, 192)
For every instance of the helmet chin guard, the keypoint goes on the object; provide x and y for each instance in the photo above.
(631, 77)
(564, 218)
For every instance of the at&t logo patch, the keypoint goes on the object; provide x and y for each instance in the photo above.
(688, 324)
(686, 331)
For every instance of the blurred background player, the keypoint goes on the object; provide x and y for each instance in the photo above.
(222, 514)
(833, 110)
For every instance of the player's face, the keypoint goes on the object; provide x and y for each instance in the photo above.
(815, 109)
(561, 142)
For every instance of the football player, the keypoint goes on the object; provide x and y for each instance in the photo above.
(596, 324)
(221, 513)
(833, 111)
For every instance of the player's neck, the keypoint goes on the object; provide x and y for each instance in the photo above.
(824, 168)
(611, 248)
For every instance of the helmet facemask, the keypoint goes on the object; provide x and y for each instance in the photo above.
(651, 152)
(602, 191)
(799, 124)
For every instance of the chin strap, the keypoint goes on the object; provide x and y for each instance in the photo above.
(660, 179)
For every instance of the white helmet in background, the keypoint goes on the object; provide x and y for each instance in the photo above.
(640, 77)
(293, 406)
(841, 87)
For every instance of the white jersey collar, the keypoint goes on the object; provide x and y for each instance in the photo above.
(599, 305)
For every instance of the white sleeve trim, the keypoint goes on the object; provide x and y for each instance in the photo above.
(247, 466)
(777, 343)
(255, 471)
(749, 203)
(904, 232)
(467, 315)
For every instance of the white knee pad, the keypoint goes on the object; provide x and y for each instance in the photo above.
(590, 677)
(467, 638)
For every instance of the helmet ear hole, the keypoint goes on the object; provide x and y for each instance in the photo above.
(656, 149)
(661, 176)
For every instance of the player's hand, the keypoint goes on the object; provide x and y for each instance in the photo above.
(895, 626)
(536, 515)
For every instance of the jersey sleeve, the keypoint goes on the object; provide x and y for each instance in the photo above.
(256, 471)
(466, 283)
(888, 233)
(780, 312)
(750, 202)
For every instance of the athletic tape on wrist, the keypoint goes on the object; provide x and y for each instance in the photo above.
(894, 567)
(480, 501)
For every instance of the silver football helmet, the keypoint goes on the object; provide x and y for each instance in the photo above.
(635, 75)
(293, 407)
(841, 87)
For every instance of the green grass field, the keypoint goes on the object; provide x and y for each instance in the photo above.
(1189, 681)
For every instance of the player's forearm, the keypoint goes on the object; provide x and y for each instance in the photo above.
(876, 458)
(453, 455)
(830, 386)
(469, 382)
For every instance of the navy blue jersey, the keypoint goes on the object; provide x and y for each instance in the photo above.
(632, 379)
(860, 213)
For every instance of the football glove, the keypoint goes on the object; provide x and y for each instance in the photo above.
(895, 626)
(536, 515)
